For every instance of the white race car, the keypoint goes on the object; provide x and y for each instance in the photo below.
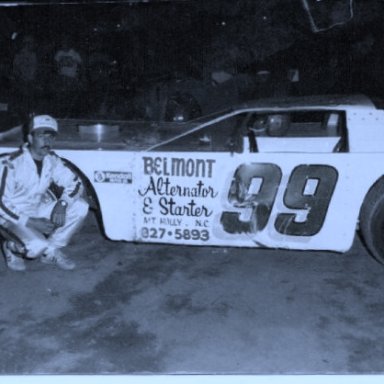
(298, 173)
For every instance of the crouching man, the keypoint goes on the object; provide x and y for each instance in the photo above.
(28, 210)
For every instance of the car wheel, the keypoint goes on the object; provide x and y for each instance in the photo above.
(372, 221)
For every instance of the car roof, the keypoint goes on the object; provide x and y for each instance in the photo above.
(321, 101)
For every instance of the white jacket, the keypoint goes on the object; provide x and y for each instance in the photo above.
(22, 190)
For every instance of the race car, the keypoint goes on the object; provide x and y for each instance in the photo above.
(296, 173)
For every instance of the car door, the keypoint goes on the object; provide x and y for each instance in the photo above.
(218, 184)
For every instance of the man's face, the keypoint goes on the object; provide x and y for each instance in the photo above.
(41, 141)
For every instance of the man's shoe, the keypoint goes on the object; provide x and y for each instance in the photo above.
(58, 258)
(13, 261)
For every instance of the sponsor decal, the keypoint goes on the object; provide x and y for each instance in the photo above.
(178, 166)
(177, 199)
(113, 177)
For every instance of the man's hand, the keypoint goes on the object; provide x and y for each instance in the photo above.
(41, 224)
(58, 213)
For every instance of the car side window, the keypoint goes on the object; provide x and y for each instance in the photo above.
(299, 131)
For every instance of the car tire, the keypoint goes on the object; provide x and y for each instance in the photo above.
(372, 221)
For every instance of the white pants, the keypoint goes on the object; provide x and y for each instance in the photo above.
(36, 243)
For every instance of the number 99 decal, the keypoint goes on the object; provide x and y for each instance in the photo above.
(253, 194)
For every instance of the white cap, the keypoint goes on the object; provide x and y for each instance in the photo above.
(44, 121)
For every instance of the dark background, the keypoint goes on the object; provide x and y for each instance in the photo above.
(152, 43)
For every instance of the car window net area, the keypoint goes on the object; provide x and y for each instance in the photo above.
(297, 124)
(296, 131)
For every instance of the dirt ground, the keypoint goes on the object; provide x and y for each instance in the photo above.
(154, 309)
